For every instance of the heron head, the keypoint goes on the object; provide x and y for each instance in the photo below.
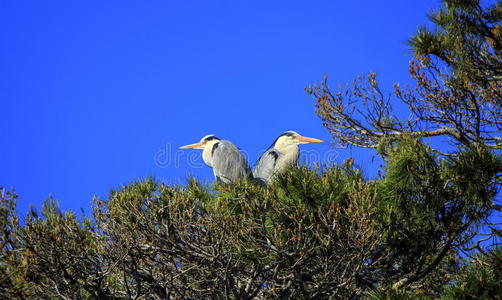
(209, 139)
(289, 138)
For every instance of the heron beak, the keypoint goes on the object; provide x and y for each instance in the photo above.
(193, 146)
(306, 140)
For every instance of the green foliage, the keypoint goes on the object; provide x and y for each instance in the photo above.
(393, 293)
(310, 233)
(430, 204)
(427, 205)
(475, 171)
(11, 272)
(457, 93)
(480, 279)
(467, 40)
(464, 31)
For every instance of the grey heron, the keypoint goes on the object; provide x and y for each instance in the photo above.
(282, 153)
(227, 161)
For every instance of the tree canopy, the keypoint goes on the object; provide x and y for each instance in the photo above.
(457, 69)
(424, 229)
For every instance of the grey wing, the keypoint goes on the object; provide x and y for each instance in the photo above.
(229, 164)
(265, 166)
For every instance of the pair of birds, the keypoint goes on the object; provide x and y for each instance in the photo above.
(229, 165)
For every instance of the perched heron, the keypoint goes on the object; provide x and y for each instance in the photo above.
(282, 153)
(227, 161)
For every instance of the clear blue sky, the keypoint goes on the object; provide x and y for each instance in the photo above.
(91, 92)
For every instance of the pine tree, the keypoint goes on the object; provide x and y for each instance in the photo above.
(325, 233)
(458, 73)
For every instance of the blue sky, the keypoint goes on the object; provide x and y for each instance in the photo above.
(95, 94)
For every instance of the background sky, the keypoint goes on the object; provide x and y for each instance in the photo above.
(95, 94)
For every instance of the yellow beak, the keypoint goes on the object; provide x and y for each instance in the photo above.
(306, 140)
(193, 146)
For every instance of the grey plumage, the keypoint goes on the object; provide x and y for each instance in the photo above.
(266, 165)
(283, 152)
(228, 163)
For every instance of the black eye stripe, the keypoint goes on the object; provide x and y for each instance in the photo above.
(210, 138)
(289, 133)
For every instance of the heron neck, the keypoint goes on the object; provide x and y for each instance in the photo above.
(207, 155)
(288, 157)
(287, 149)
